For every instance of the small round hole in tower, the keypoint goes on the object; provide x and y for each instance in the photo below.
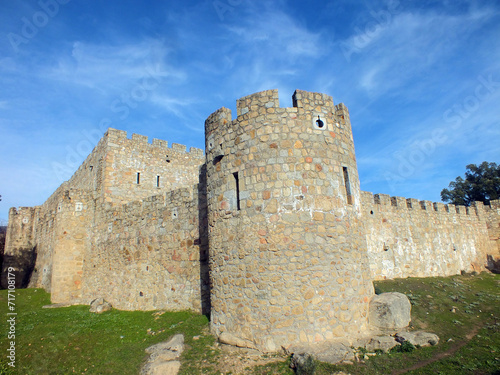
(320, 123)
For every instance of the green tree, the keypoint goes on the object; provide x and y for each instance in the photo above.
(482, 183)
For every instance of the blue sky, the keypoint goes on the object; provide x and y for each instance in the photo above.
(421, 80)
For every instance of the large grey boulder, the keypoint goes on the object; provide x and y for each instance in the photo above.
(389, 311)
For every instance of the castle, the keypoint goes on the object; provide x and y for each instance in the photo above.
(268, 231)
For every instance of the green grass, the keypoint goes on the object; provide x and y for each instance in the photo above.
(72, 340)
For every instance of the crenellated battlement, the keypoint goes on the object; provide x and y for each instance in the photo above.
(369, 199)
(264, 99)
(142, 140)
(310, 101)
(260, 118)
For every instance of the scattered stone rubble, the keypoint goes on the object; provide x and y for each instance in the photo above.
(164, 357)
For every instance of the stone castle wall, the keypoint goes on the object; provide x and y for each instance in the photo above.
(411, 238)
(57, 235)
(492, 215)
(136, 169)
(287, 247)
(3, 232)
(72, 231)
(47, 242)
(151, 254)
(274, 210)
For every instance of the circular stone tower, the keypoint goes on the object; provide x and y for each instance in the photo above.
(288, 254)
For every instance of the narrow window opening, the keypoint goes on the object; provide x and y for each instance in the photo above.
(237, 181)
(167, 159)
(91, 168)
(138, 178)
(157, 181)
(347, 185)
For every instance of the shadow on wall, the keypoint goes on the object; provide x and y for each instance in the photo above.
(493, 264)
(23, 263)
(203, 233)
(3, 232)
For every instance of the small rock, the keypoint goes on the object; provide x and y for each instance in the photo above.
(175, 344)
(99, 305)
(164, 368)
(229, 339)
(384, 343)
(303, 363)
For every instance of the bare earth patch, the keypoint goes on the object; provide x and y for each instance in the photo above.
(240, 360)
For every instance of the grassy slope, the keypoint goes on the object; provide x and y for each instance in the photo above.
(72, 340)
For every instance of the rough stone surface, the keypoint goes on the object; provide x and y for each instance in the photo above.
(391, 311)
(411, 238)
(99, 305)
(384, 343)
(163, 357)
(284, 204)
(420, 338)
(229, 339)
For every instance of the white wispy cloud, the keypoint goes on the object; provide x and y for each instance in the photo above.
(409, 44)
(107, 67)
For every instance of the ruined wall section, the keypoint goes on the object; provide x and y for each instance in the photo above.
(287, 248)
(411, 238)
(151, 254)
(20, 245)
(136, 169)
